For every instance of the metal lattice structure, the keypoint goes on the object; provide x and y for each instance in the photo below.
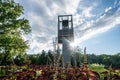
(65, 36)
(65, 28)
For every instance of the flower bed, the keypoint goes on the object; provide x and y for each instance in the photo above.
(34, 72)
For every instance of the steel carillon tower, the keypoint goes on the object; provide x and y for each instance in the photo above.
(65, 36)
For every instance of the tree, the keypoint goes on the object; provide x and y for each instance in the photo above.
(34, 58)
(50, 58)
(43, 58)
(20, 59)
(12, 28)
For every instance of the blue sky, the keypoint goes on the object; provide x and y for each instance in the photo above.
(96, 23)
(105, 43)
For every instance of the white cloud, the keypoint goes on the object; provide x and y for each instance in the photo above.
(106, 21)
(106, 10)
(42, 15)
(87, 12)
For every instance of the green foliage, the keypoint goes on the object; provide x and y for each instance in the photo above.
(2, 72)
(50, 58)
(12, 28)
(104, 59)
(20, 59)
(43, 58)
(34, 58)
(40, 72)
(97, 67)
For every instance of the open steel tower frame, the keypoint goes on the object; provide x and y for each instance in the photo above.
(65, 37)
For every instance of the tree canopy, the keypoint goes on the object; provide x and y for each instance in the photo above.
(12, 28)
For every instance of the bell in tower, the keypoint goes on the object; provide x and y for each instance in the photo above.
(65, 23)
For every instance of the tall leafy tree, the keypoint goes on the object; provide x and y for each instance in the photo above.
(12, 28)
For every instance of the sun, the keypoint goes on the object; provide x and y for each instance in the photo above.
(73, 44)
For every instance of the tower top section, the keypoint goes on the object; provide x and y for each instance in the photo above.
(65, 28)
